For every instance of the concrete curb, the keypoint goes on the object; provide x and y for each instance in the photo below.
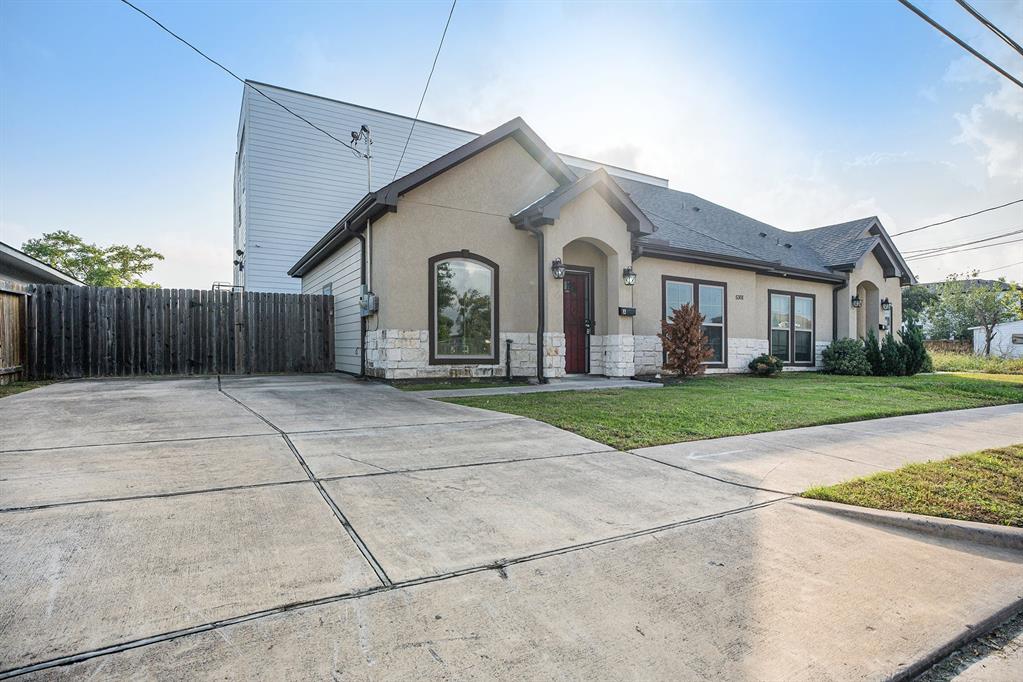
(984, 533)
(969, 634)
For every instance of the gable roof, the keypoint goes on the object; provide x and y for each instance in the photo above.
(33, 268)
(844, 245)
(385, 199)
(547, 209)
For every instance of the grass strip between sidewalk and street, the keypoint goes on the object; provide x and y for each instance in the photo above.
(985, 486)
(731, 405)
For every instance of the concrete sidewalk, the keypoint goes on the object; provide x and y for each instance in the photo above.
(313, 527)
(794, 460)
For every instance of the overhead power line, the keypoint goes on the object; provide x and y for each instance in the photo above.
(956, 246)
(960, 42)
(425, 89)
(994, 29)
(981, 272)
(213, 61)
(952, 220)
(972, 248)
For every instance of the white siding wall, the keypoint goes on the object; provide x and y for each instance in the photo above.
(294, 183)
(343, 271)
(1001, 342)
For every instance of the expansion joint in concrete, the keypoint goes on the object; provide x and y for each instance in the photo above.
(499, 566)
(342, 519)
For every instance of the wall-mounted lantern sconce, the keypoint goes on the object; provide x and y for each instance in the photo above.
(886, 304)
(558, 268)
(856, 302)
(629, 276)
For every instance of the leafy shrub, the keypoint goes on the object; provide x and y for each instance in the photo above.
(893, 358)
(765, 365)
(873, 354)
(685, 346)
(846, 356)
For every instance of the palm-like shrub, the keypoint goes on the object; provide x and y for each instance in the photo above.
(685, 346)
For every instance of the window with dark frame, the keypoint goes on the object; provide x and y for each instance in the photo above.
(791, 321)
(463, 309)
(709, 299)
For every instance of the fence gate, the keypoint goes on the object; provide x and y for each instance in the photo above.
(13, 322)
(98, 331)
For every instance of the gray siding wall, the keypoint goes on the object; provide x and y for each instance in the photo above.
(294, 183)
(343, 271)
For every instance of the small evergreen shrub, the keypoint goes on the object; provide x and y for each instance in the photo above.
(917, 359)
(845, 356)
(765, 365)
(893, 358)
(873, 353)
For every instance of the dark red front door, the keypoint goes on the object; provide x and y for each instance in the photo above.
(576, 285)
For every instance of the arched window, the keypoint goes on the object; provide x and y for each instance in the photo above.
(463, 309)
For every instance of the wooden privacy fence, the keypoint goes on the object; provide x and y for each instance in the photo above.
(98, 331)
(949, 346)
(13, 340)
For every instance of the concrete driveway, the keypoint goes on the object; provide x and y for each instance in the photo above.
(316, 527)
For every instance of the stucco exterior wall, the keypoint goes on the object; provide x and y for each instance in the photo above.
(746, 298)
(465, 208)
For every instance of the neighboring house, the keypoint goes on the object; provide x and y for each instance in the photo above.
(292, 181)
(1007, 341)
(501, 243)
(19, 267)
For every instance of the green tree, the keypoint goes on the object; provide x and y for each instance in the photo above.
(964, 302)
(117, 265)
(916, 299)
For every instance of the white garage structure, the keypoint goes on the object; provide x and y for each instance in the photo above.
(1007, 341)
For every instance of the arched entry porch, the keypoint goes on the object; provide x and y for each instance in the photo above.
(868, 314)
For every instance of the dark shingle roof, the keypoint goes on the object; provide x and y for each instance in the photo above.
(687, 221)
(840, 244)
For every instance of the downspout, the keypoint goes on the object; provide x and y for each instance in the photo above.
(362, 318)
(541, 300)
(834, 307)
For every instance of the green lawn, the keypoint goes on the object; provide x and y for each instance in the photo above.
(968, 362)
(985, 486)
(1010, 378)
(714, 406)
(19, 386)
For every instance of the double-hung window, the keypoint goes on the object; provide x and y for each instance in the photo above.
(463, 309)
(709, 300)
(792, 327)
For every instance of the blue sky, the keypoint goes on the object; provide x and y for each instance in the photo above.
(800, 114)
